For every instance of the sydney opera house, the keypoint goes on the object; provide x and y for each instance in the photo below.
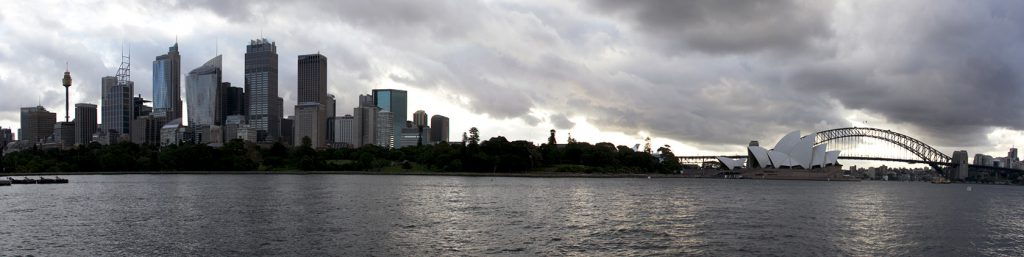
(791, 152)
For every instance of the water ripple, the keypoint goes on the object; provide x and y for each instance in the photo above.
(429, 215)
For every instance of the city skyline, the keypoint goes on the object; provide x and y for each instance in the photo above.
(366, 59)
(512, 127)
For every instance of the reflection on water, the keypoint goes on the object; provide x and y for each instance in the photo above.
(428, 215)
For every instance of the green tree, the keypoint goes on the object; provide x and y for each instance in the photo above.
(669, 162)
(474, 136)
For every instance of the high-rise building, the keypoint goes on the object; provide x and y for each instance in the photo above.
(331, 118)
(312, 100)
(438, 128)
(329, 133)
(264, 105)
(309, 123)
(204, 94)
(395, 102)
(385, 129)
(85, 123)
(959, 170)
(64, 133)
(117, 105)
(118, 101)
(6, 137)
(234, 100)
(36, 124)
(139, 107)
(279, 109)
(288, 131)
(345, 131)
(332, 106)
(167, 84)
(419, 118)
(365, 117)
(146, 129)
(312, 79)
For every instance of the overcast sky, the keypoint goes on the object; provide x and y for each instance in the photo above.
(702, 76)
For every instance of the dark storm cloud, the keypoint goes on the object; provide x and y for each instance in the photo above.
(716, 115)
(953, 77)
(727, 27)
(561, 122)
(42, 56)
(443, 17)
(710, 73)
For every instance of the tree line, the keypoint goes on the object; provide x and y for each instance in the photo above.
(496, 154)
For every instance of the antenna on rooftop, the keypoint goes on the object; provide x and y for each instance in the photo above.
(124, 71)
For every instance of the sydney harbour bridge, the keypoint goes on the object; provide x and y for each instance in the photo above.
(872, 144)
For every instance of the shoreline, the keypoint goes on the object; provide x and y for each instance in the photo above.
(424, 173)
(399, 173)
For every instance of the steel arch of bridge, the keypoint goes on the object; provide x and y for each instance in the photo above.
(927, 153)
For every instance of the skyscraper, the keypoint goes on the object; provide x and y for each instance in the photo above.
(331, 118)
(439, 128)
(393, 101)
(117, 105)
(204, 94)
(264, 109)
(365, 117)
(419, 118)
(6, 137)
(85, 123)
(332, 106)
(36, 124)
(167, 84)
(312, 100)
(279, 109)
(234, 100)
(312, 79)
(117, 100)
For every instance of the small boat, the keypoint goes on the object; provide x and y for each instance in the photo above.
(22, 181)
(43, 180)
(5, 182)
(60, 180)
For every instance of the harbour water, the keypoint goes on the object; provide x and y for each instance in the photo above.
(226, 215)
